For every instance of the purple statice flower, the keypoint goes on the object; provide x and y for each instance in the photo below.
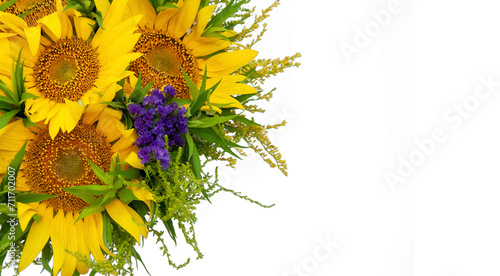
(156, 120)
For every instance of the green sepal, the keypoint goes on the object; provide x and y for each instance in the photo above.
(6, 117)
(26, 96)
(27, 122)
(7, 4)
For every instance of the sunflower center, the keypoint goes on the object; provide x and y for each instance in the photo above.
(61, 163)
(164, 60)
(37, 9)
(63, 70)
(161, 63)
(69, 164)
(66, 69)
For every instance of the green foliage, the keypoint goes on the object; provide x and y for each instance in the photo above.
(12, 104)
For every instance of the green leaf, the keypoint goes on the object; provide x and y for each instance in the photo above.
(118, 184)
(242, 98)
(198, 103)
(6, 117)
(126, 195)
(211, 136)
(14, 165)
(98, 18)
(205, 195)
(191, 145)
(92, 189)
(29, 197)
(85, 196)
(7, 4)
(193, 89)
(212, 121)
(181, 102)
(106, 199)
(9, 93)
(104, 177)
(229, 11)
(46, 256)
(196, 162)
(17, 78)
(89, 210)
(166, 6)
(139, 93)
(106, 221)
(9, 238)
(9, 101)
(171, 230)
(138, 257)
(131, 173)
(5, 107)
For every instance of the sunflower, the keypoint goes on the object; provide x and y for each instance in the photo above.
(50, 164)
(67, 67)
(36, 9)
(169, 42)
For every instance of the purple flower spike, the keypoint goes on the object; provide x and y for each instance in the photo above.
(156, 119)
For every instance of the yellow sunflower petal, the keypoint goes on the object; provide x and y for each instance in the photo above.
(227, 63)
(143, 195)
(83, 27)
(204, 16)
(53, 23)
(185, 18)
(58, 236)
(134, 160)
(25, 212)
(33, 35)
(117, 211)
(82, 247)
(91, 237)
(114, 14)
(100, 227)
(14, 23)
(143, 230)
(69, 265)
(37, 238)
(164, 17)
(102, 6)
(145, 8)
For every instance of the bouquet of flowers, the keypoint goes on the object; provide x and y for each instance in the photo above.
(110, 112)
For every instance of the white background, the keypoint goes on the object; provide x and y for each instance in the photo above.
(349, 124)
